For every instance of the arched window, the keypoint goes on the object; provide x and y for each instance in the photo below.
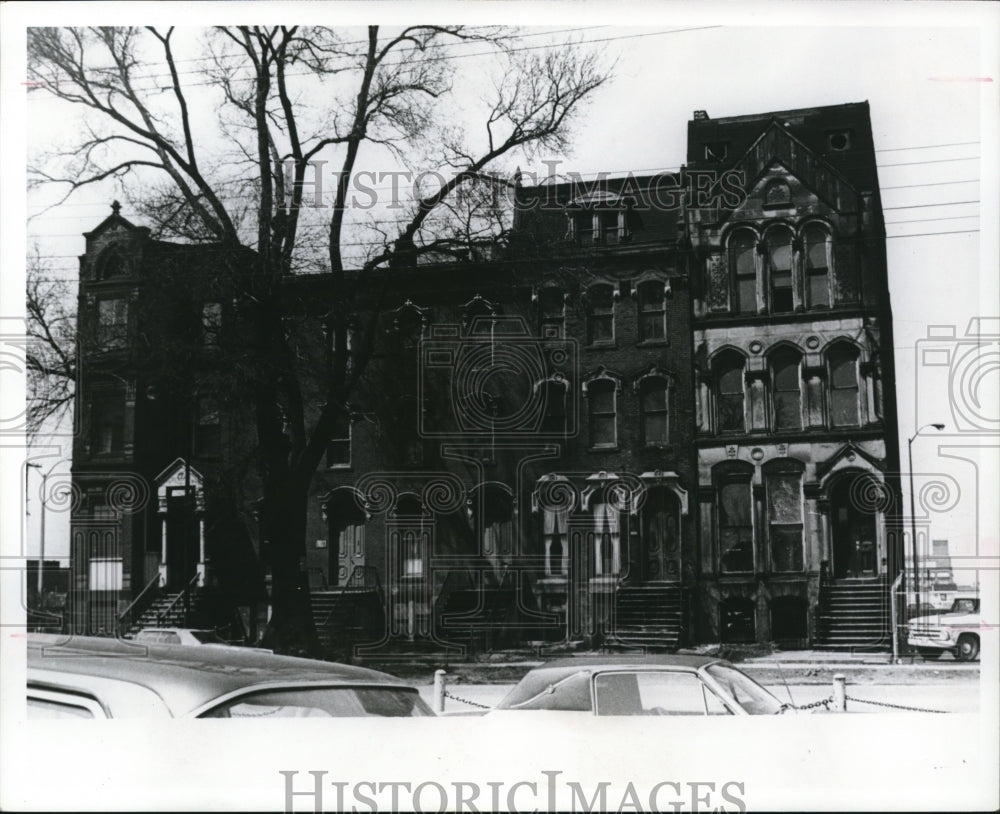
(729, 413)
(786, 392)
(602, 411)
(654, 406)
(744, 269)
(112, 265)
(600, 314)
(842, 360)
(816, 241)
(779, 270)
(652, 311)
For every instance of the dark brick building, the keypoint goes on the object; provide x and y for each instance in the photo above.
(602, 434)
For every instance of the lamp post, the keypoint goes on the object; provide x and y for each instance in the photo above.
(913, 515)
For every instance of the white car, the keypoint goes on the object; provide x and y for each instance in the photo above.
(84, 677)
(955, 631)
(186, 636)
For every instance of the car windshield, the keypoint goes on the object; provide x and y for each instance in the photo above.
(324, 702)
(742, 689)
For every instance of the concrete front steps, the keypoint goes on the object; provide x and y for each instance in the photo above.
(647, 616)
(854, 615)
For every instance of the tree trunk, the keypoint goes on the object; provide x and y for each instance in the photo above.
(290, 628)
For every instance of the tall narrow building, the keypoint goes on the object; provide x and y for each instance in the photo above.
(796, 413)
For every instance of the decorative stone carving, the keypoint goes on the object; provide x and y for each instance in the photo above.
(718, 283)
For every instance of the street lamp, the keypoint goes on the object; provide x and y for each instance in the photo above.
(913, 515)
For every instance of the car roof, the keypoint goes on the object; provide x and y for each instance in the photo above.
(540, 679)
(185, 678)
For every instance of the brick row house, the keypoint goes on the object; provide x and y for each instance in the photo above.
(661, 412)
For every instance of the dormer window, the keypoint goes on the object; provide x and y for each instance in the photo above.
(598, 219)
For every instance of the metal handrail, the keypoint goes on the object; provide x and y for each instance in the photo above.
(893, 602)
(121, 616)
(170, 607)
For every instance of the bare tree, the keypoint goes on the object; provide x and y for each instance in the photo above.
(52, 350)
(289, 98)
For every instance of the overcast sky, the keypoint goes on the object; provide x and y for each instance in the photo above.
(931, 85)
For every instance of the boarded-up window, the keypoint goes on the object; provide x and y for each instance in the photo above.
(735, 527)
(784, 513)
(843, 360)
(787, 394)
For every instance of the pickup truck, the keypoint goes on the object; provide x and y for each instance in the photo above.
(955, 631)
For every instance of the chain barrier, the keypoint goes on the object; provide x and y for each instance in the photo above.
(825, 702)
(466, 701)
(895, 706)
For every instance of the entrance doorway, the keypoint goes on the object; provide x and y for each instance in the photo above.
(854, 528)
(182, 542)
(660, 536)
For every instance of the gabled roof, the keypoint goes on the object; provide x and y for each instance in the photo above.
(844, 453)
(116, 221)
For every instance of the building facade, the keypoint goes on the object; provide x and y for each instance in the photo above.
(796, 411)
(662, 412)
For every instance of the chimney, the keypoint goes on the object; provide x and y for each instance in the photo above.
(700, 116)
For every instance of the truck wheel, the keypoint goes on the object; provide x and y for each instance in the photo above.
(929, 652)
(968, 647)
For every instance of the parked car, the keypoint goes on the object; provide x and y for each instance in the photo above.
(956, 631)
(85, 677)
(643, 685)
(178, 635)
(187, 636)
